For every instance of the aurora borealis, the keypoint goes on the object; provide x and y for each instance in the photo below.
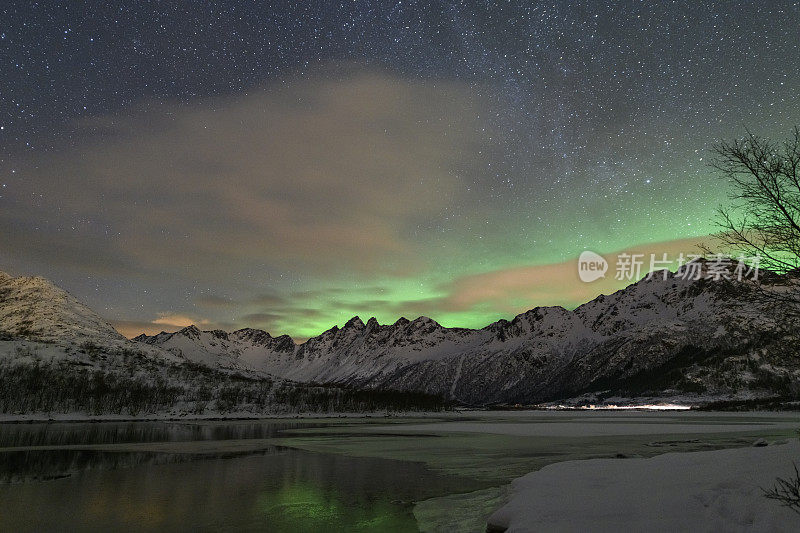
(287, 166)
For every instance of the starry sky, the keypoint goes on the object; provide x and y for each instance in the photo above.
(289, 165)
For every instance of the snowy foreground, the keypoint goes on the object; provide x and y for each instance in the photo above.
(702, 491)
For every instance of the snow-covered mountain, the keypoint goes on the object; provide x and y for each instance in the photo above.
(34, 308)
(242, 349)
(657, 335)
(58, 356)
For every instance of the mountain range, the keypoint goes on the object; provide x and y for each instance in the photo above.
(663, 336)
(58, 357)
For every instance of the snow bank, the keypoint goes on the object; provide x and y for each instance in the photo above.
(701, 491)
(579, 428)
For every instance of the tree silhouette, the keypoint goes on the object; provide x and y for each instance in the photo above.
(763, 218)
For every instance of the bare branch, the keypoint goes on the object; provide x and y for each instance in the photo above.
(786, 491)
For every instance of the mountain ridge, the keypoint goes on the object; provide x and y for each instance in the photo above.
(662, 335)
(34, 307)
(58, 356)
(538, 355)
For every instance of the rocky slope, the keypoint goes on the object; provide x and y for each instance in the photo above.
(35, 309)
(58, 356)
(657, 336)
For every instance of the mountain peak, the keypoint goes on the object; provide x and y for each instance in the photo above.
(402, 321)
(252, 333)
(35, 308)
(354, 322)
(190, 331)
(331, 331)
(613, 342)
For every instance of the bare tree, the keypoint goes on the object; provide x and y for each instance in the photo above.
(786, 491)
(763, 218)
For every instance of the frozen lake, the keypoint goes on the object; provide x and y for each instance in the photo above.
(435, 473)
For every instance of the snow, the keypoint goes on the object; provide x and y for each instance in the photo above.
(542, 354)
(700, 491)
(35, 308)
(29, 352)
(590, 426)
(212, 415)
(588, 429)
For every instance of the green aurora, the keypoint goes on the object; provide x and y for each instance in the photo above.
(375, 164)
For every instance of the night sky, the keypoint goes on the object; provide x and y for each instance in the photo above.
(287, 166)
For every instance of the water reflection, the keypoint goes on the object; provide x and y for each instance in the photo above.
(66, 433)
(280, 490)
(25, 466)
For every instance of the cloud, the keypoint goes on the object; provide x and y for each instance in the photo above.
(134, 328)
(213, 301)
(267, 300)
(465, 301)
(168, 322)
(180, 321)
(319, 177)
(298, 202)
(513, 290)
(501, 293)
(314, 182)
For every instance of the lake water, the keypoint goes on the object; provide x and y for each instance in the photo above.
(53, 482)
(326, 475)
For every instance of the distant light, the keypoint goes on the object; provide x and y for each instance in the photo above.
(613, 407)
(648, 407)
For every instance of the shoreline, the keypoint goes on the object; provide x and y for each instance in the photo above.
(720, 490)
(40, 418)
(498, 448)
(71, 418)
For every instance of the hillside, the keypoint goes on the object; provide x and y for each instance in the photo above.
(34, 308)
(695, 340)
(657, 337)
(58, 356)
